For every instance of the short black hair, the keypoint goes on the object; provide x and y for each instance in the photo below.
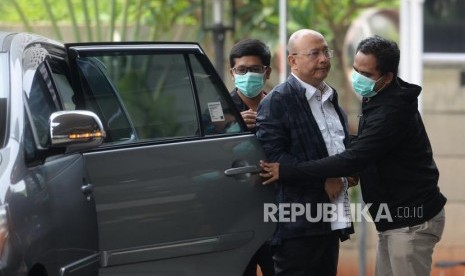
(386, 52)
(250, 47)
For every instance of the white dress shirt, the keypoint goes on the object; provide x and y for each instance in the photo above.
(333, 134)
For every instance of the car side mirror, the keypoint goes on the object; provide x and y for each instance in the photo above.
(76, 130)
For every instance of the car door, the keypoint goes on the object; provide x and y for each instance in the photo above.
(175, 183)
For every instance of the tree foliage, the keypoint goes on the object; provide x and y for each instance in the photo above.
(97, 20)
(332, 18)
(88, 17)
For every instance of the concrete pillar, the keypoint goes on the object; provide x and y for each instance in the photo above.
(283, 40)
(411, 43)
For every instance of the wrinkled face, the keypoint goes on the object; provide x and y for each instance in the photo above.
(310, 60)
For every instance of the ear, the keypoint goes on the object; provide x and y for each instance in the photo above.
(389, 78)
(268, 73)
(291, 60)
(231, 74)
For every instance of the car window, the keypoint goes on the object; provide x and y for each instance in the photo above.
(143, 94)
(29, 141)
(60, 76)
(3, 120)
(40, 105)
(46, 90)
(4, 96)
(141, 97)
(218, 116)
(102, 98)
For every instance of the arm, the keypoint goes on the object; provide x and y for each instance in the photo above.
(275, 135)
(379, 136)
(271, 130)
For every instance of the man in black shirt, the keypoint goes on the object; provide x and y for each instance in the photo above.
(250, 68)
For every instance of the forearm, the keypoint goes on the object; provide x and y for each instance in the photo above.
(333, 166)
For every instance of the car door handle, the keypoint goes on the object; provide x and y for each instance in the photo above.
(241, 170)
(87, 190)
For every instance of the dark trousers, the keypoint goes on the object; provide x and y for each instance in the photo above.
(307, 256)
(263, 258)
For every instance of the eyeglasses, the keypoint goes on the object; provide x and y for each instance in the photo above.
(242, 70)
(314, 54)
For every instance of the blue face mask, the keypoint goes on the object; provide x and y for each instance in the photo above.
(363, 85)
(250, 84)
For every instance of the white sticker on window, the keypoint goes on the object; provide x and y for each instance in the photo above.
(216, 111)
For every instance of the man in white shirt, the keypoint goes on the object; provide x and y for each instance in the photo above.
(300, 120)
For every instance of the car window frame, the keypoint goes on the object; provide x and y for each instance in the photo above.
(53, 61)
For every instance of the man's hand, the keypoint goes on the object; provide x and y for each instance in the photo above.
(250, 118)
(270, 171)
(333, 187)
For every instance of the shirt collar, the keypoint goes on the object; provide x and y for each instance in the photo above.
(311, 91)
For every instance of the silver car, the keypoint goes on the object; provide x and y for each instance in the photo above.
(123, 159)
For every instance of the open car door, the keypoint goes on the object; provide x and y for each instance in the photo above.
(175, 183)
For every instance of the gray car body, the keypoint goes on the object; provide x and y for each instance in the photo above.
(189, 206)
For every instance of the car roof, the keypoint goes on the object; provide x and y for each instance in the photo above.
(13, 40)
(10, 40)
